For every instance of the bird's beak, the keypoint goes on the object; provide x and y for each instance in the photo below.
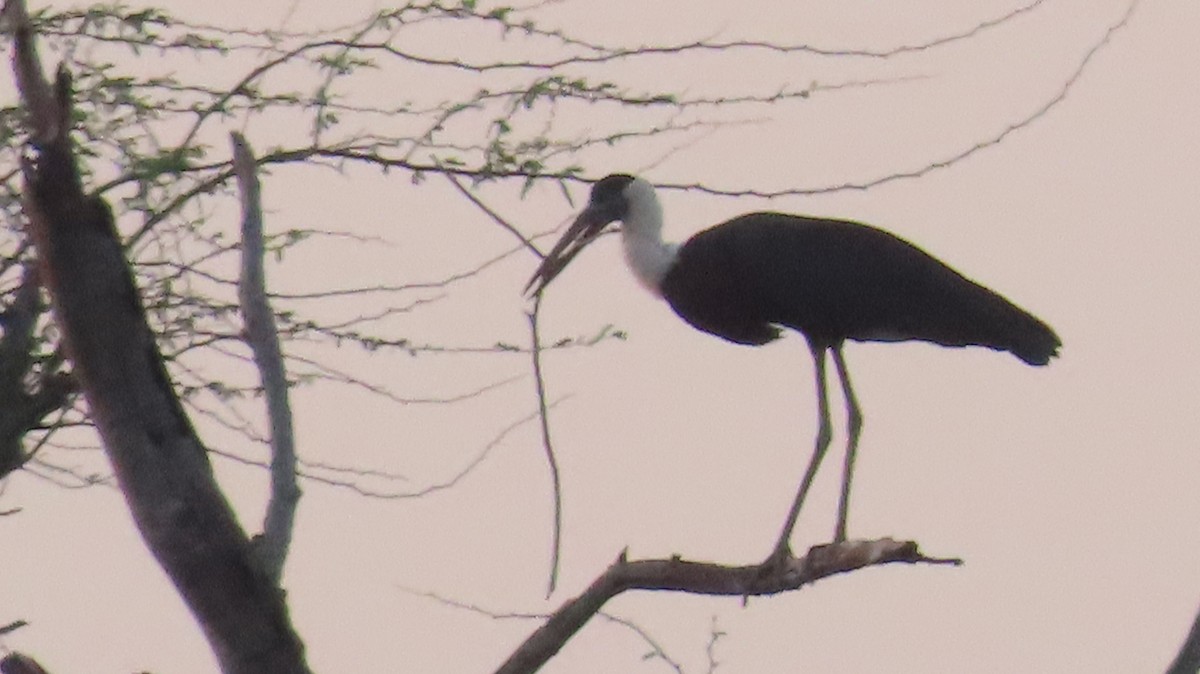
(584, 230)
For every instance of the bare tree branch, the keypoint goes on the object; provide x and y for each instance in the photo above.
(263, 338)
(159, 461)
(1187, 661)
(677, 575)
(21, 409)
(16, 663)
(34, 89)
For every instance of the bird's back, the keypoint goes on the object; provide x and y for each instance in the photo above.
(835, 280)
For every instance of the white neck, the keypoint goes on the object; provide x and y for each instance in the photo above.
(641, 237)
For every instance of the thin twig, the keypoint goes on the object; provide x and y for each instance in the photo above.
(996, 139)
(710, 651)
(540, 385)
(656, 649)
(493, 215)
(354, 482)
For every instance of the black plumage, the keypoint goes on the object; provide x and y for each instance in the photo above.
(834, 280)
(831, 280)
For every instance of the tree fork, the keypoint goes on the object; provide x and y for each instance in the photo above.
(160, 463)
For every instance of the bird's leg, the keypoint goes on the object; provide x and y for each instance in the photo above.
(854, 422)
(783, 549)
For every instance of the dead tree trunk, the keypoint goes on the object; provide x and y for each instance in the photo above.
(160, 463)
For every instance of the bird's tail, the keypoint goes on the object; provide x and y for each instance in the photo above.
(1007, 327)
(1032, 340)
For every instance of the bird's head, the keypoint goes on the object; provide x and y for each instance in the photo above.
(609, 202)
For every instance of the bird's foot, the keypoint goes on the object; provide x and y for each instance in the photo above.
(770, 570)
(777, 561)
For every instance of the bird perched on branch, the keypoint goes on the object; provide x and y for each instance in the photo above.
(831, 280)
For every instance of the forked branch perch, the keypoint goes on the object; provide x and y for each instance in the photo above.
(160, 463)
(704, 578)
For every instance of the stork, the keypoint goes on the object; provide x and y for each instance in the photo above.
(831, 280)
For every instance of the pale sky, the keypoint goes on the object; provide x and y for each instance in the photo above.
(1070, 491)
